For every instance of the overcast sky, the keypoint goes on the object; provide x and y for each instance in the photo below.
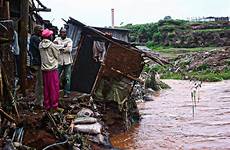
(98, 12)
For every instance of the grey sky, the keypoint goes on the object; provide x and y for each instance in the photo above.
(98, 12)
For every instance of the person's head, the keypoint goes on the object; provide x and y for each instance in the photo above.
(47, 34)
(38, 30)
(63, 33)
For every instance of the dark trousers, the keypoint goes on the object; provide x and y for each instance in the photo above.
(67, 76)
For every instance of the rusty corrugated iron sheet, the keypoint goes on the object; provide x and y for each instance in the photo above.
(126, 60)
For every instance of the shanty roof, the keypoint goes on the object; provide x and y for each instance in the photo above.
(110, 28)
(75, 28)
(124, 44)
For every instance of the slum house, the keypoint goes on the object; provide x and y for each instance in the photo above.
(13, 18)
(107, 68)
(20, 16)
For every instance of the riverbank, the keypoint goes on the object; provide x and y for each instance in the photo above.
(204, 64)
(168, 122)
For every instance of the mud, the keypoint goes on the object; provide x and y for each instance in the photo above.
(168, 122)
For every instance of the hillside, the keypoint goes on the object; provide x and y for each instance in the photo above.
(181, 33)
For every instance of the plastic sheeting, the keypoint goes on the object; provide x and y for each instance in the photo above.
(114, 90)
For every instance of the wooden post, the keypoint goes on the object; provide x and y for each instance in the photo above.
(1, 87)
(1, 3)
(7, 11)
(23, 34)
(1, 9)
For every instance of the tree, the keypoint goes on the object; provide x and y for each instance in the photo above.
(167, 18)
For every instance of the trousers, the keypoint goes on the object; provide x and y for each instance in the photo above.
(67, 76)
(51, 89)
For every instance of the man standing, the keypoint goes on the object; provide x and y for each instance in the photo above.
(65, 59)
(36, 63)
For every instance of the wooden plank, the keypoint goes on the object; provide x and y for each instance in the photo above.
(1, 3)
(7, 85)
(1, 87)
(7, 116)
(7, 10)
(23, 34)
(127, 75)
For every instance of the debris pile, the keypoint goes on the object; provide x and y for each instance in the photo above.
(80, 127)
(216, 60)
(152, 85)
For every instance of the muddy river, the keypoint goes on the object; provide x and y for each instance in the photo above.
(168, 121)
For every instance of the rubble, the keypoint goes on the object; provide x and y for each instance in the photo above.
(215, 60)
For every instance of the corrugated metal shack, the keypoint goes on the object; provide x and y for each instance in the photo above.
(109, 79)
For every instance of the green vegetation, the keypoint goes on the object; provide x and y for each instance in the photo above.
(149, 31)
(212, 30)
(168, 49)
(202, 73)
(178, 33)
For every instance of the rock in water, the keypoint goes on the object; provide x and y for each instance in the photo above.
(102, 140)
(85, 120)
(88, 128)
(148, 98)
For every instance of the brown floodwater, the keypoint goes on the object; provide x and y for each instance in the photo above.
(168, 121)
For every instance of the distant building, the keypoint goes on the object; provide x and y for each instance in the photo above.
(208, 19)
(222, 19)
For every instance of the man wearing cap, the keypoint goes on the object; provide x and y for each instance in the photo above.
(49, 66)
(36, 62)
(65, 59)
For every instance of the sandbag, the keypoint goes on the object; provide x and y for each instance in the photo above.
(85, 112)
(85, 120)
(88, 128)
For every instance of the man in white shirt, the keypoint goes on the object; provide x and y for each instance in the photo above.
(65, 59)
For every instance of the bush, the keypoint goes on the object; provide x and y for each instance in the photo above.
(157, 36)
(150, 44)
(171, 35)
(167, 28)
(172, 22)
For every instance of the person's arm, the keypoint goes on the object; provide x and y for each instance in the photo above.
(58, 45)
(68, 47)
(56, 51)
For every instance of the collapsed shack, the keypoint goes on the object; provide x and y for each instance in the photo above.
(107, 68)
(104, 67)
